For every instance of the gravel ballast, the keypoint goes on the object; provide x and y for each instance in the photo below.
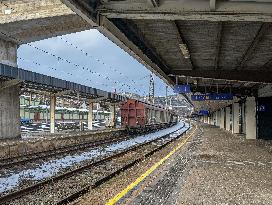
(214, 167)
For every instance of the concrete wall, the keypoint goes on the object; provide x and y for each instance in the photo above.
(9, 112)
(228, 118)
(218, 118)
(222, 120)
(235, 118)
(251, 128)
(250, 118)
(215, 118)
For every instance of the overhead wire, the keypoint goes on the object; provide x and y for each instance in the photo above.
(65, 60)
(70, 74)
(95, 58)
(75, 64)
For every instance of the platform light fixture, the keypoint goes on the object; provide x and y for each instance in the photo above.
(184, 49)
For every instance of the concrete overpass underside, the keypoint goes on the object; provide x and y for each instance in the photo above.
(219, 46)
(25, 21)
(214, 45)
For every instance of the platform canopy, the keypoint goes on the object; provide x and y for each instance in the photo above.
(214, 45)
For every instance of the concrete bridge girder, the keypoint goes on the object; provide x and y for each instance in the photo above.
(189, 10)
(29, 20)
(27, 31)
(23, 10)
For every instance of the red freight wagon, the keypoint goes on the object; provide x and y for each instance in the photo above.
(137, 114)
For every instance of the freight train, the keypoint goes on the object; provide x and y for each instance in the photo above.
(138, 116)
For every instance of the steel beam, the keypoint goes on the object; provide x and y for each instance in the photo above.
(263, 76)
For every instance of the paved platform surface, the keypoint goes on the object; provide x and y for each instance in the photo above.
(215, 167)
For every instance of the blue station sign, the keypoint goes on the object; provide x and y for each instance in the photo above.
(262, 108)
(182, 89)
(198, 97)
(213, 96)
(221, 96)
(203, 112)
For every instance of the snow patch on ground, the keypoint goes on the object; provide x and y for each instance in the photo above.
(48, 169)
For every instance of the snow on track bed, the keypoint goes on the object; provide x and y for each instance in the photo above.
(13, 180)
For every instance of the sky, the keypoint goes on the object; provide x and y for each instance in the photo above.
(91, 59)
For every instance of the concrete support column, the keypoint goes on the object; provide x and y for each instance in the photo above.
(90, 115)
(228, 118)
(222, 116)
(9, 112)
(235, 118)
(8, 53)
(251, 127)
(218, 118)
(52, 113)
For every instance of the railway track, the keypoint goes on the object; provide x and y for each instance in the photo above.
(8, 162)
(71, 177)
(20, 160)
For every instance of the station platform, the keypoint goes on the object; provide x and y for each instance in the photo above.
(212, 167)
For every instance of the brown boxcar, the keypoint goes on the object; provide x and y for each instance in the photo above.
(137, 114)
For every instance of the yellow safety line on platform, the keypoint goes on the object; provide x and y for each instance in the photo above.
(121, 194)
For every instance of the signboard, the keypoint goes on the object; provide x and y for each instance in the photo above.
(182, 89)
(198, 97)
(262, 108)
(213, 96)
(221, 96)
(203, 112)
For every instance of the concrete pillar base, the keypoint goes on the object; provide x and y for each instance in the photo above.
(10, 112)
(235, 118)
(251, 128)
(228, 118)
(222, 118)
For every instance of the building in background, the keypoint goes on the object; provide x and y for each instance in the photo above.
(37, 109)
